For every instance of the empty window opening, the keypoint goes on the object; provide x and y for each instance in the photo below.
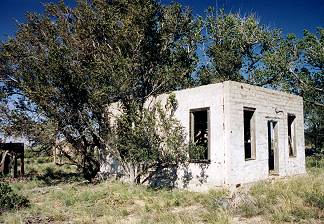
(199, 134)
(291, 135)
(249, 133)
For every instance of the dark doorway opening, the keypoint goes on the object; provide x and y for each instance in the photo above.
(291, 135)
(273, 146)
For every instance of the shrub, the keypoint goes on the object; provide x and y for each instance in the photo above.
(150, 143)
(10, 200)
(42, 159)
(316, 161)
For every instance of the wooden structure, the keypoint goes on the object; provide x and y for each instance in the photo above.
(10, 153)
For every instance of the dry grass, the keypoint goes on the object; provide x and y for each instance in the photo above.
(61, 197)
(112, 202)
(297, 199)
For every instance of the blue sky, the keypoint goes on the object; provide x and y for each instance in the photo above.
(292, 16)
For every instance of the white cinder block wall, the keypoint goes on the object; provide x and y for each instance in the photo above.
(269, 105)
(226, 102)
(227, 162)
(204, 175)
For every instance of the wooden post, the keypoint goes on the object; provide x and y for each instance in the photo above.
(22, 161)
(22, 165)
(54, 154)
(15, 165)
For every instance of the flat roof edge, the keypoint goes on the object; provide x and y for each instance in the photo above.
(264, 89)
(220, 84)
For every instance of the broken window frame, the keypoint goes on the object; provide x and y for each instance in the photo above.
(252, 134)
(192, 131)
(291, 135)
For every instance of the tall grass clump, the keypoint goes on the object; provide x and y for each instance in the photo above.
(290, 200)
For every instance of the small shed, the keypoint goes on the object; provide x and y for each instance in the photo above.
(10, 155)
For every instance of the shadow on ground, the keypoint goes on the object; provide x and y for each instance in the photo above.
(54, 177)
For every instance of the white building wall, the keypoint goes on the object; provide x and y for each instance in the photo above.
(204, 175)
(269, 105)
(227, 163)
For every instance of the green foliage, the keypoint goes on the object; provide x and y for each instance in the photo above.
(65, 66)
(40, 134)
(242, 49)
(197, 152)
(314, 132)
(237, 47)
(10, 200)
(149, 140)
(308, 73)
(315, 163)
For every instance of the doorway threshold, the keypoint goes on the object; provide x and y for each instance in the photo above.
(273, 173)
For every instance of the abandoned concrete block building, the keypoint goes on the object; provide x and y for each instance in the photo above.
(250, 133)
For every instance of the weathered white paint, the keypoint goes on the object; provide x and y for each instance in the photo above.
(227, 164)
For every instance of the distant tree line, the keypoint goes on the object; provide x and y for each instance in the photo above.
(63, 68)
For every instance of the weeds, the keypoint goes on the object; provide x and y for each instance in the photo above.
(10, 200)
(292, 200)
(58, 195)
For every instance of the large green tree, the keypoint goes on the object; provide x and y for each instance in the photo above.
(241, 49)
(236, 48)
(66, 65)
(309, 81)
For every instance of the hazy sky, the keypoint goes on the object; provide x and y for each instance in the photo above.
(292, 16)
